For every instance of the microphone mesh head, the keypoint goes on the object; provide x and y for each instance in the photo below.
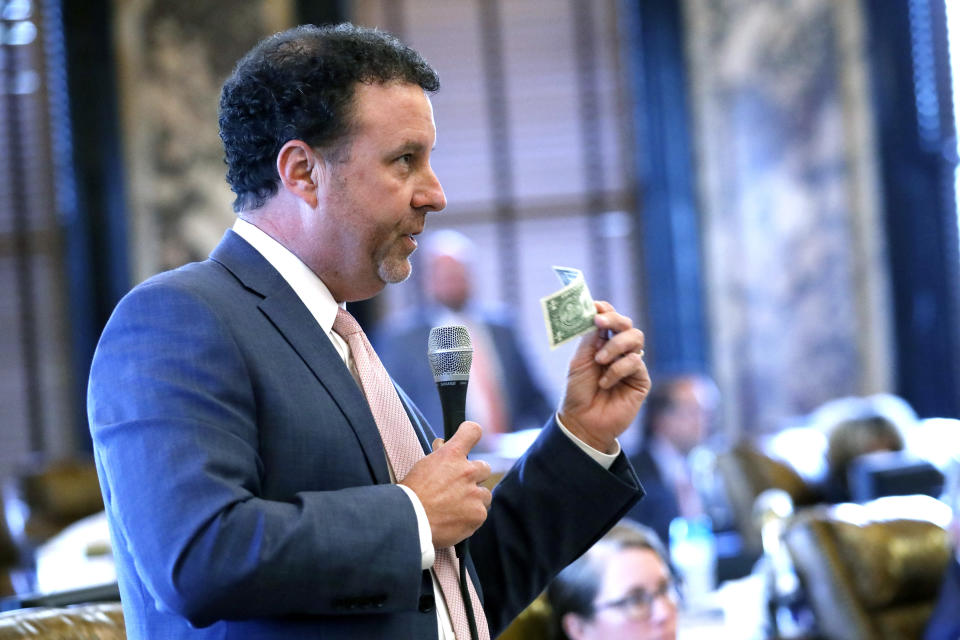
(451, 353)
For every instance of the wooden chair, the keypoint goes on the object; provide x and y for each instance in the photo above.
(873, 571)
(747, 472)
(100, 621)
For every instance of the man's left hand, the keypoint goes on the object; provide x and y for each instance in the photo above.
(607, 381)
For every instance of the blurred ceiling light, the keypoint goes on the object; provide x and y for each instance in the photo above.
(20, 33)
(17, 10)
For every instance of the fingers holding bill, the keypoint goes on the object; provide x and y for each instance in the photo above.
(622, 338)
(630, 367)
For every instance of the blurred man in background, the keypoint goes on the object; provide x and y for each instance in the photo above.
(503, 394)
(676, 419)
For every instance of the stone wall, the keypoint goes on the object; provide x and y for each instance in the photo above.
(173, 56)
(794, 259)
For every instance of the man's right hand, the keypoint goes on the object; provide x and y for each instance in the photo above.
(448, 486)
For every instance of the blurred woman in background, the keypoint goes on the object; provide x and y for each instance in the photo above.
(621, 589)
(851, 438)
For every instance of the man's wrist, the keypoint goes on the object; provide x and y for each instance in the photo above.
(572, 427)
(427, 552)
(601, 457)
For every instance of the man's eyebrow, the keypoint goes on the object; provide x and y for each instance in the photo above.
(410, 146)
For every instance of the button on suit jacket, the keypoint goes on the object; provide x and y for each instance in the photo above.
(247, 488)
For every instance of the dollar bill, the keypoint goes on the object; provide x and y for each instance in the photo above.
(569, 312)
(567, 274)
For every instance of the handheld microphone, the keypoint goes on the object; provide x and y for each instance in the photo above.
(451, 353)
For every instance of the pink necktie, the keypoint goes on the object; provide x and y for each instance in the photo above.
(403, 451)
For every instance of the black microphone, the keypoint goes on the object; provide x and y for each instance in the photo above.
(451, 353)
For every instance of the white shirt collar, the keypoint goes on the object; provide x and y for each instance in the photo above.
(304, 282)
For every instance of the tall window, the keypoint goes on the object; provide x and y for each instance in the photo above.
(35, 406)
(953, 35)
(916, 135)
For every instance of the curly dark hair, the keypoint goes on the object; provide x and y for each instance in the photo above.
(299, 85)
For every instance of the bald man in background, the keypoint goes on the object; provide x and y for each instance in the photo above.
(504, 394)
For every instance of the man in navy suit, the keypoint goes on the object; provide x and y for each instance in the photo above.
(503, 395)
(676, 419)
(944, 623)
(246, 482)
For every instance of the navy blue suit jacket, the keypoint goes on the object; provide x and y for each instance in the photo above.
(402, 347)
(944, 623)
(247, 488)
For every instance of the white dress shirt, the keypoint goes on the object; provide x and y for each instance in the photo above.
(675, 469)
(320, 303)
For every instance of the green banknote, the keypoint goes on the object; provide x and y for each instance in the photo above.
(569, 312)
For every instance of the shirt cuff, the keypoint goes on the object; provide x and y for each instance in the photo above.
(605, 460)
(427, 554)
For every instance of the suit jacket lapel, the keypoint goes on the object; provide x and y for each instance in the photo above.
(292, 319)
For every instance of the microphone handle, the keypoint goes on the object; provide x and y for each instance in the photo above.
(453, 401)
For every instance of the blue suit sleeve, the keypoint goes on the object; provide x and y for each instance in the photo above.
(552, 505)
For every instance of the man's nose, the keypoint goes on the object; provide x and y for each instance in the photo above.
(430, 195)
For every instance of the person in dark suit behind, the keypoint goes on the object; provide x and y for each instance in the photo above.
(944, 623)
(676, 419)
(503, 393)
(263, 477)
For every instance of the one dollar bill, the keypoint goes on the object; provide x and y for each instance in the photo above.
(569, 312)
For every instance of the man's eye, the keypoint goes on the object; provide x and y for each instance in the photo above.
(406, 158)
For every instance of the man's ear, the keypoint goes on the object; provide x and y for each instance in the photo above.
(300, 170)
(572, 625)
